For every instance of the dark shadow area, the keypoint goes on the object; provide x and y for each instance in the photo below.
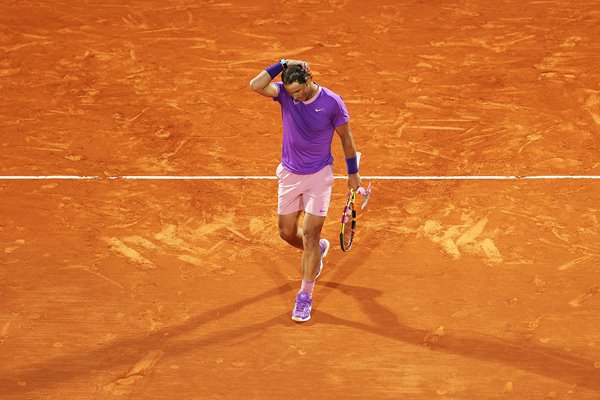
(552, 363)
(125, 353)
(526, 355)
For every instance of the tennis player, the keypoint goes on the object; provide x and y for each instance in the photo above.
(310, 115)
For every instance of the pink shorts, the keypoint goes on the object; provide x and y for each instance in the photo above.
(310, 193)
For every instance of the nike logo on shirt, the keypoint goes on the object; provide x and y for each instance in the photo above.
(319, 109)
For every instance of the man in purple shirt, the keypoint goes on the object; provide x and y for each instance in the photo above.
(310, 114)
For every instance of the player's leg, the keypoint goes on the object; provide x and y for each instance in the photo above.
(311, 235)
(311, 265)
(317, 198)
(289, 206)
(289, 230)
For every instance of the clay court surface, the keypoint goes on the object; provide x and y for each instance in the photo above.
(115, 288)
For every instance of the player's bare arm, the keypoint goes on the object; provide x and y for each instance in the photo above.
(345, 133)
(262, 83)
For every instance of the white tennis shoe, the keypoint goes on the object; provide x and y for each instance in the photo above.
(324, 245)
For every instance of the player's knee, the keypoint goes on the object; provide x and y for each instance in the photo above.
(311, 235)
(286, 233)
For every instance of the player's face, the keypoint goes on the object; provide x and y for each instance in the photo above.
(298, 91)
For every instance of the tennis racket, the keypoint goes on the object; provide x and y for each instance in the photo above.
(348, 228)
(348, 222)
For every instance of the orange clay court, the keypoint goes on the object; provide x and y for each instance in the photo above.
(114, 288)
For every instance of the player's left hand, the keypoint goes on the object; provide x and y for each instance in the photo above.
(354, 181)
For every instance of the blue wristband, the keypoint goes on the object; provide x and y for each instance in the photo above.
(274, 69)
(352, 165)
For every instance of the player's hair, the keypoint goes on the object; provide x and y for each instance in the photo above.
(294, 73)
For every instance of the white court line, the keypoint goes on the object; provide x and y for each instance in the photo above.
(265, 177)
(46, 177)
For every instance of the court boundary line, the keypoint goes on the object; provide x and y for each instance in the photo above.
(269, 177)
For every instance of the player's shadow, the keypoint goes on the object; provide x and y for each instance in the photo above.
(125, 353)
(523, 354)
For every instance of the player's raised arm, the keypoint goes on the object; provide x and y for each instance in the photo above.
(261, 83)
